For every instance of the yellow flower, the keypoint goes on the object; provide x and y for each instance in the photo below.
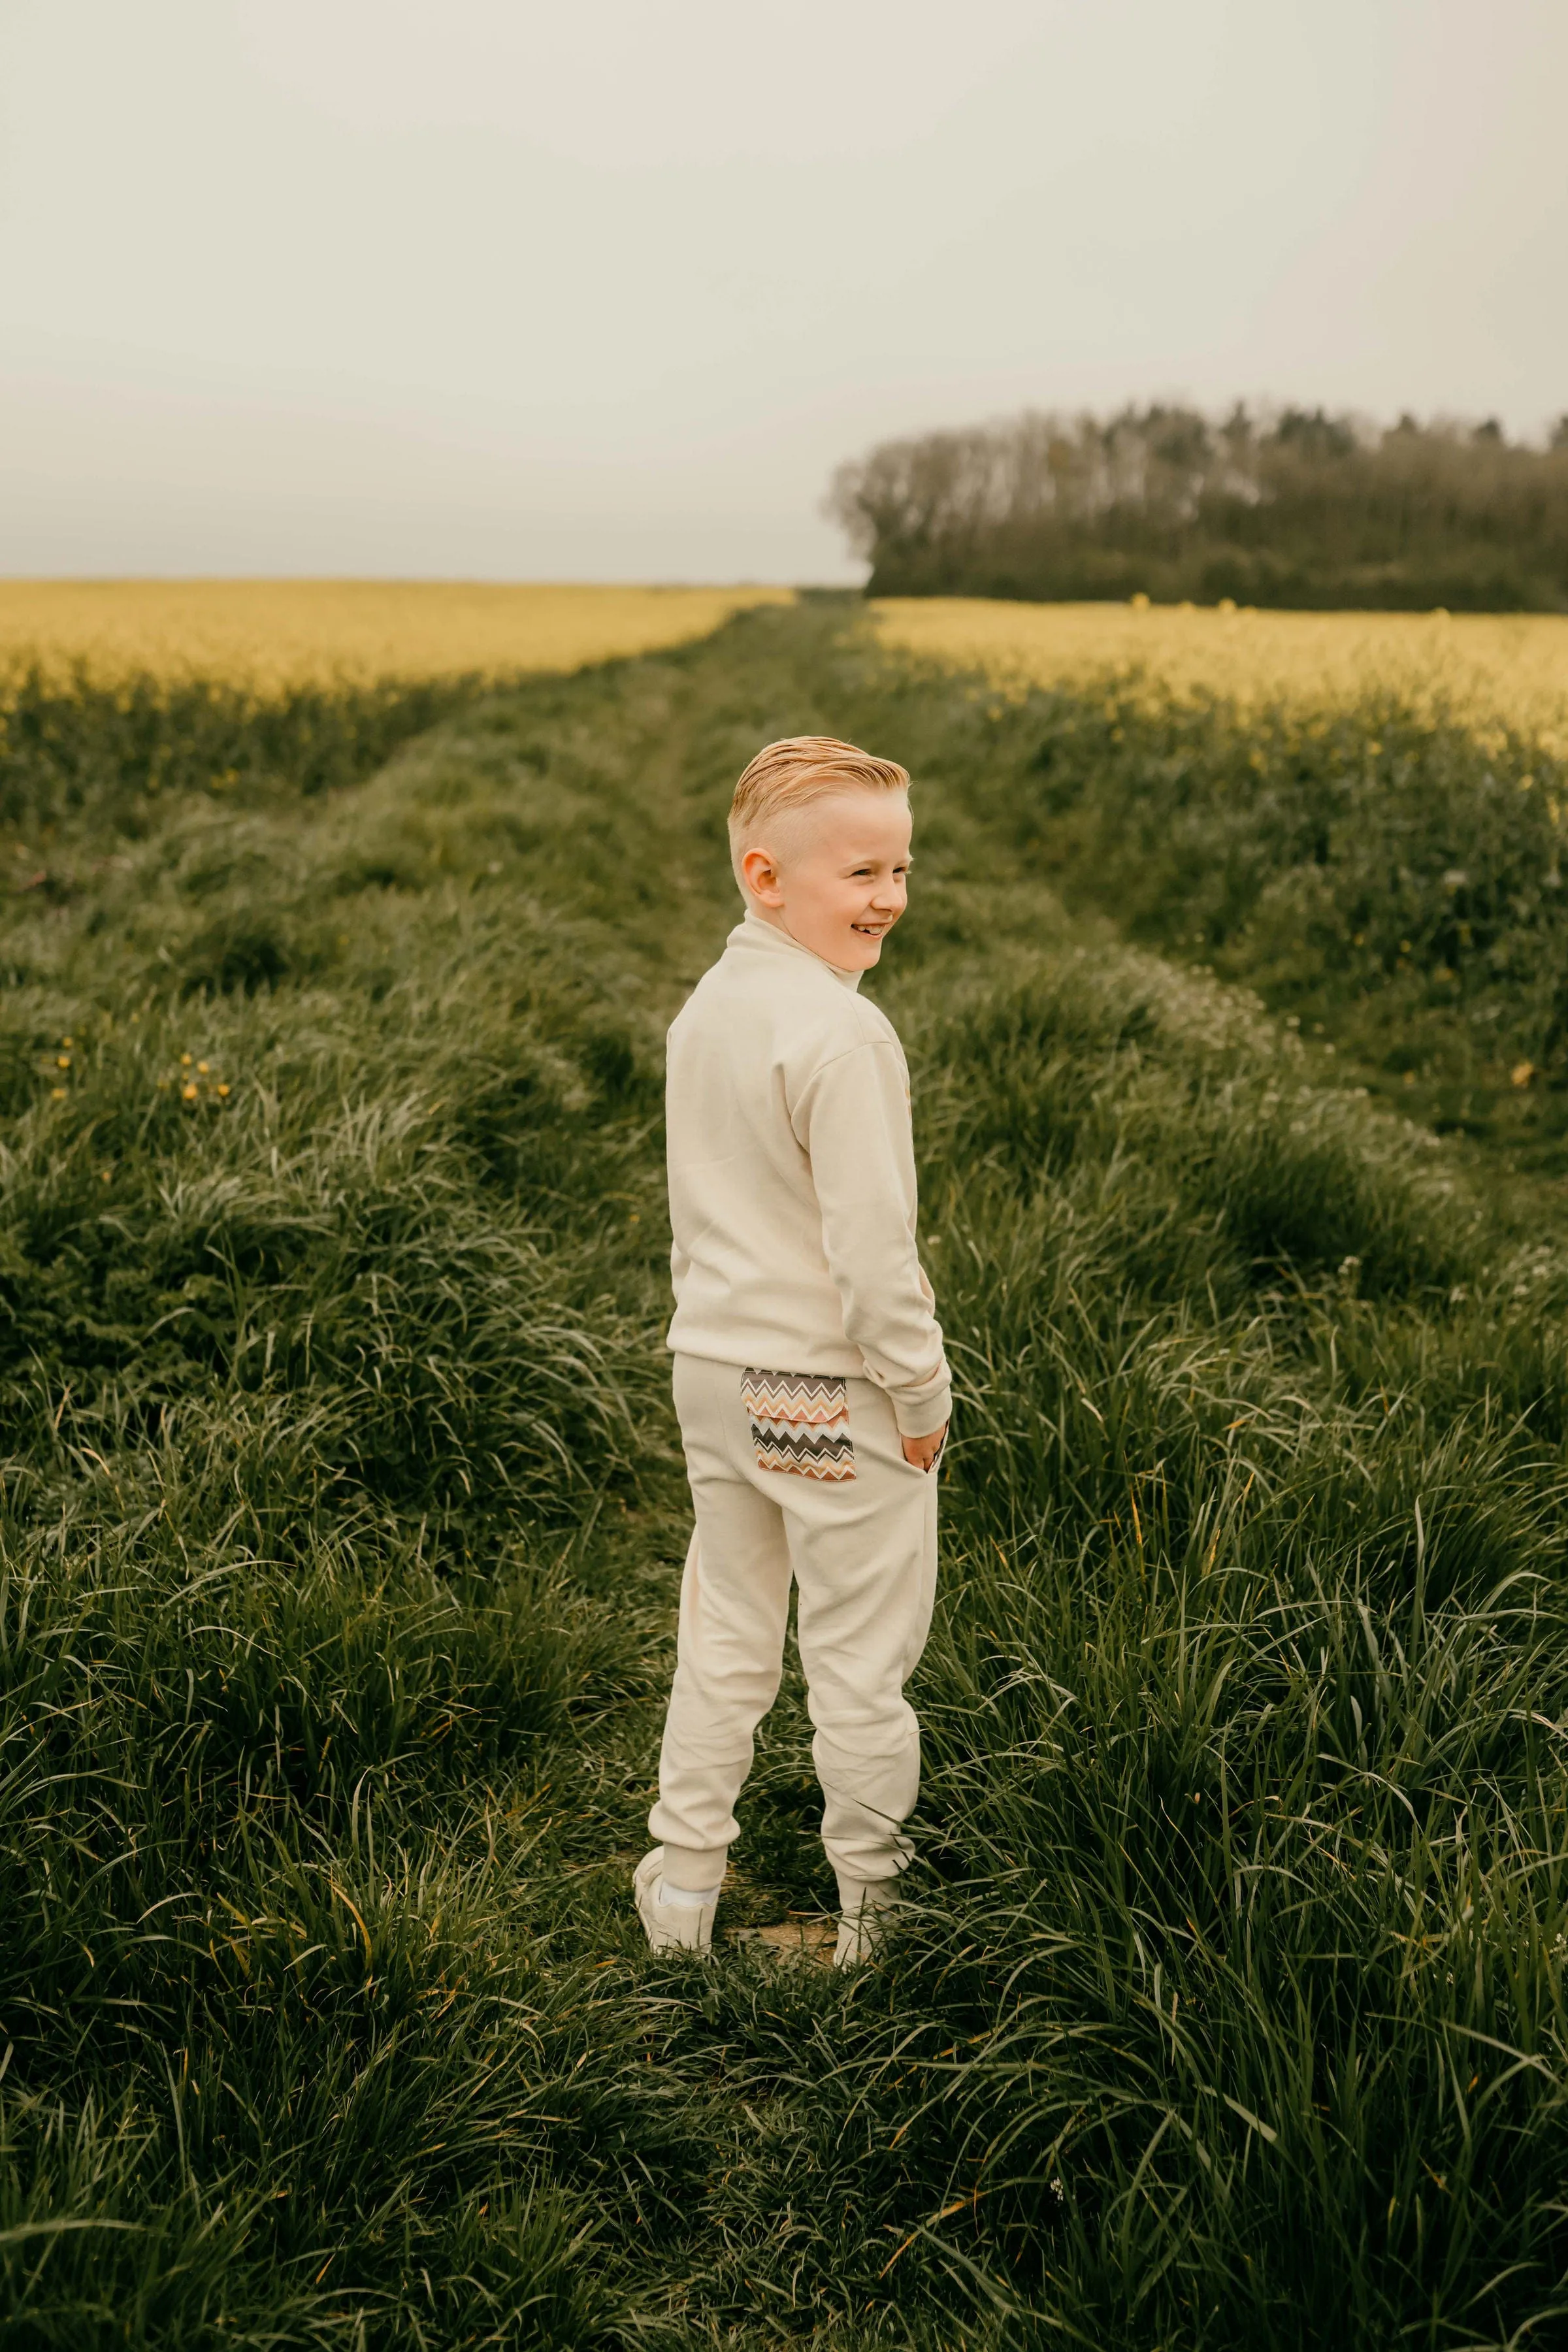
(1480, 668)
(185, 1059)
(57, 1094)
(1522, 1073)
(187, 1093)
(272, 635)
(204, 1067)
(62, 1061)
(223, 1087)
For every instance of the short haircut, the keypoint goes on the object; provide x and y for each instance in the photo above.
(789, 776)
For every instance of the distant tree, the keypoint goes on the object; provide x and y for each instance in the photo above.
(1297, 507)
(1314, 435)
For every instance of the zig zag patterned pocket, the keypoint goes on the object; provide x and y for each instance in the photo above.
(800, 1422)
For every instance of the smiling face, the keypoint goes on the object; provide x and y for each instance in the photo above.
(833, 873)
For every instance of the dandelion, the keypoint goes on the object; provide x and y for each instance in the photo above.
(57, 1094)
(184, 1061)
(223, 1087)
(1522, 1073)
(189, 1092)
(62, 1061)
(204, 1067)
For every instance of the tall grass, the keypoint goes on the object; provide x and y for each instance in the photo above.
(77, 748)
(1387, 875)
(341, 1523)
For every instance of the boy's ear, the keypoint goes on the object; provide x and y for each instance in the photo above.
(759, 871)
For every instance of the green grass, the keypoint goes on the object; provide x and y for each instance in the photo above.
(104, 754)
(1395, 886)
(342, 1517)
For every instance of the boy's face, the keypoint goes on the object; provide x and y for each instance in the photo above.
(834, 874)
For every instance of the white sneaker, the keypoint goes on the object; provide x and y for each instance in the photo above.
(863, 1918)
(671, 1927)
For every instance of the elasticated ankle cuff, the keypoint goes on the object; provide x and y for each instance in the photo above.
(683, 1898)
(696, 1869)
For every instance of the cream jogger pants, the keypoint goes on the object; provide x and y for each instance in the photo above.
(863, 1552)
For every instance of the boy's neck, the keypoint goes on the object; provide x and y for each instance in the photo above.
(773, 921)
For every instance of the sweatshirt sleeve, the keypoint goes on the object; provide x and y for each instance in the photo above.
(853, 1120)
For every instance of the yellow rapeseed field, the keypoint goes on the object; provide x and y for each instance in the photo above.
(1491, 671)
(270, 635)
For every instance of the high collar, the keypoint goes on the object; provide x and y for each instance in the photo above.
(751, 932)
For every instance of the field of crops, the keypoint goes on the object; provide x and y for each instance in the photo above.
(1502, 676)
(277, 636)
(341, 1518)
(114, 691)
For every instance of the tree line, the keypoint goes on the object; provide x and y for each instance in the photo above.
(1295, 507)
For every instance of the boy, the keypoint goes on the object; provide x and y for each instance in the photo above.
(810, 1381)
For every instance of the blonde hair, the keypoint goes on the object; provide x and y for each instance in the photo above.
(791, 774)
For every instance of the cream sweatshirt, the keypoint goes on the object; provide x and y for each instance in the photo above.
(792, 1180)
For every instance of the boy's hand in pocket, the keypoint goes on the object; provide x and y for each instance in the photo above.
(922, 1453)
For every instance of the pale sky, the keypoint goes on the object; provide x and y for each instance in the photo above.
(604, 289)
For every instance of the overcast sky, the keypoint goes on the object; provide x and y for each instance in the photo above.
(602, 289)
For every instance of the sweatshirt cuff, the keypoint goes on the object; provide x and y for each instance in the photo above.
(921, 1412)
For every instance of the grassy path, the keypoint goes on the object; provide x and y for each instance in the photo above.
(341, 1523)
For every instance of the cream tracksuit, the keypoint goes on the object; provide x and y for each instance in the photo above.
(805, 1342)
